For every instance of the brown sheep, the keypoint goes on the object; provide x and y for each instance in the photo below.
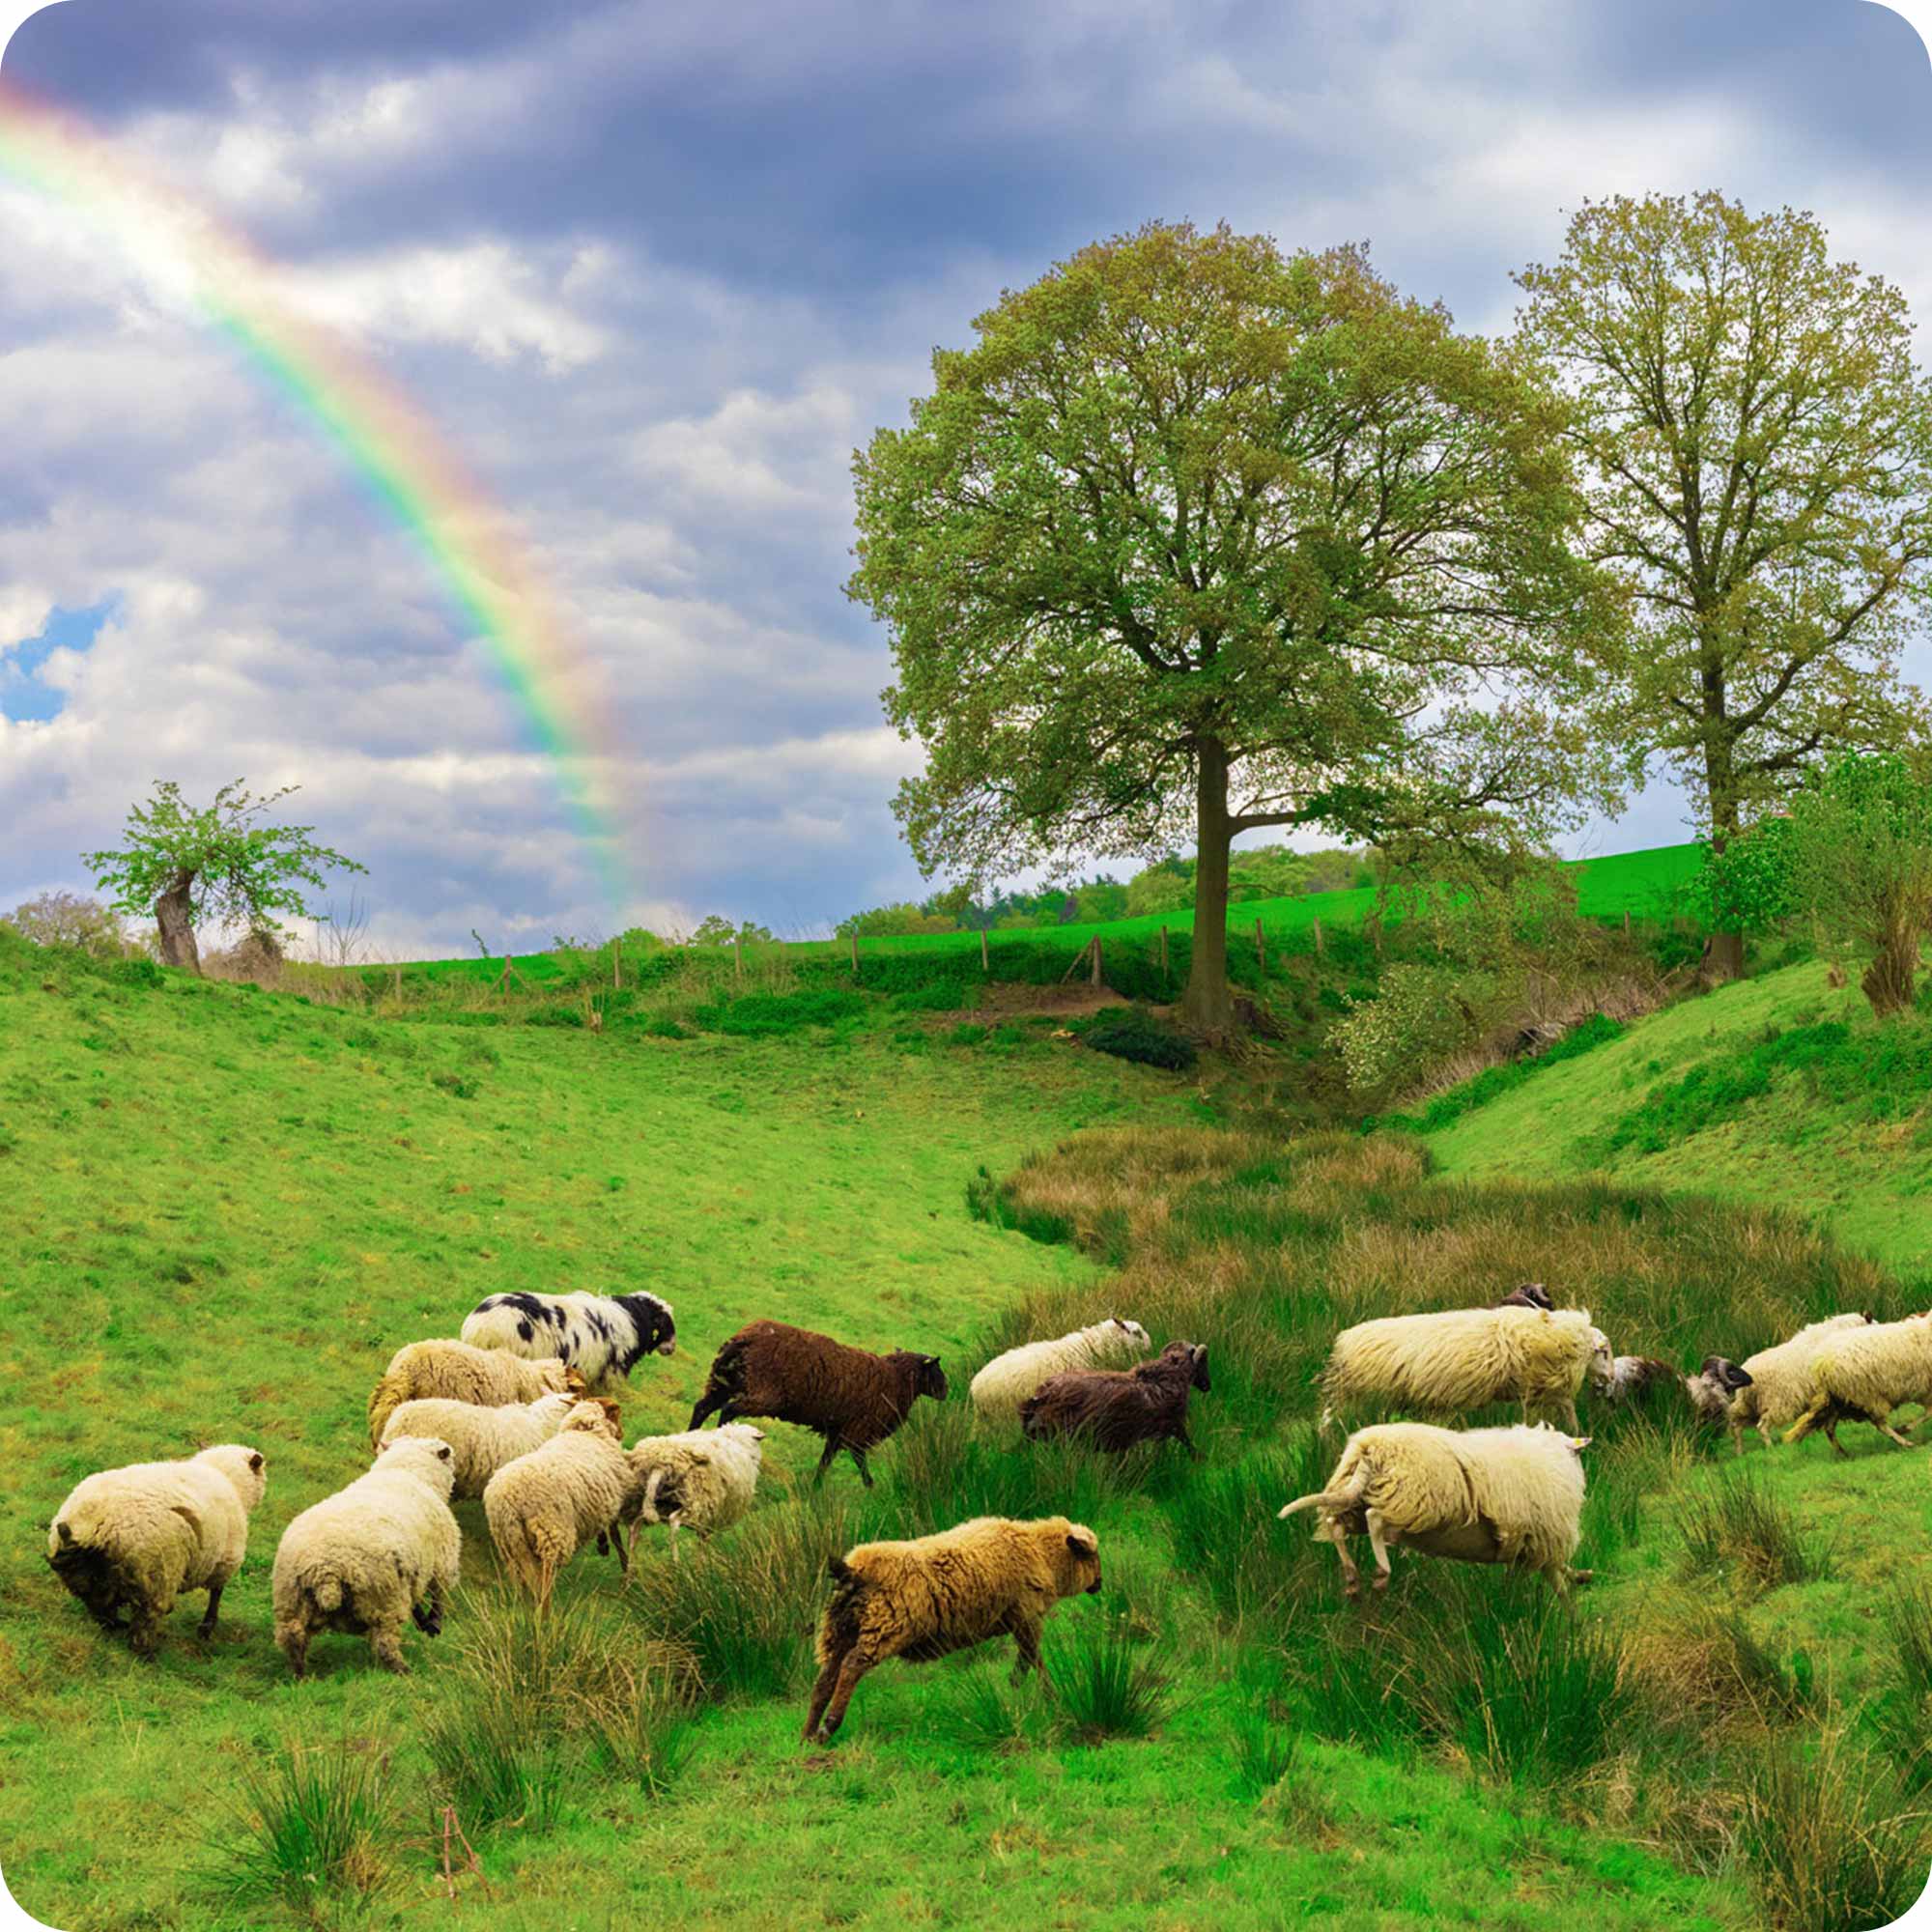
(454, 1371)
(937, 1594)
(852, 1397)
(1114, 1408)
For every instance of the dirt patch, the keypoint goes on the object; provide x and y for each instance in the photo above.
(1010, 1000)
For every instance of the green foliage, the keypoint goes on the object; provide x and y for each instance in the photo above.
(66, 918)
(715, 929)
(936, 996)
(1738, 1528)
(1130, 1034)
(1749, 886)
(316, 1824)
(1440, 1110)
(1109, 1684)
(774, 1015)
(895, 920)
(233, 870)
(1420, 1015)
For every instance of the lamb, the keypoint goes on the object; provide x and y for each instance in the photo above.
(937, 1594)
(1479, 1495)
(1865, 1372)
(702, 1480)
(1531, 1295)
(852, 1397)
(1465, 1358)
(1006, 1381)
(138, 1537)
(1114, 1408)
(544, 1507)
(1779, 1385)
(602, 1336)
(1714, 1387)
(1630, 1378)
(383, 1549)
(485, 1377)
(484, 1440)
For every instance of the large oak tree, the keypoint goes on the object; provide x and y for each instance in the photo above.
(1200, 537)
(1756, 442)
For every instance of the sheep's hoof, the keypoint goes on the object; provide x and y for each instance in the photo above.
(1352, 1590)
(1382, 1580)
(1582, 1575)
(429, 1622)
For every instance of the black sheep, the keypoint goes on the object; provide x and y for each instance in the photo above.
(1116, 1409)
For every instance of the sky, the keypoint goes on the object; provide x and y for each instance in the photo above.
(653, 271)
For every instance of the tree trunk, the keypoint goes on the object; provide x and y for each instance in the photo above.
(1888, 982)
(171, 915)
(1725, 954)
(1206, 1005)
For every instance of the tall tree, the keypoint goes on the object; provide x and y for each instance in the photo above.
(192, 864)
(1200, 537)
(1757, 447)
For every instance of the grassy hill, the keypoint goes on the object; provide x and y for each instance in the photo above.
(230, 1207)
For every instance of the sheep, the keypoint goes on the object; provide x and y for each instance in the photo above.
(1006, 1381)
(1865, 1372)
(484, 1440)
(1479, 1495)
(704, 1479)
(485, 1377)
(1778, 1388)
(1712, 1388)
(544, 1507)
(602, 1336)
(926, 1598)
(1628, 1378)
(852, 1397)
(1531, 1295)
(138, 1537)
(385, 1549)
(1114, 1408)
(1465, 1358)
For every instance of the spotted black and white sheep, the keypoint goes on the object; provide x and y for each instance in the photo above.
(926, 1598)
(603, 1337)
(1116, 1409)
(852, 1397)
(136, 1538)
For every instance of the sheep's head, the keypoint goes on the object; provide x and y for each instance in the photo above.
(1083, 1559)
(930, 1379)
(427, 1458)
(1727, 1375)
(243, 1466)
(1529, 1295)
(1603, 1363)
(657, 1331)
(598, 1416)
(1133, 1330)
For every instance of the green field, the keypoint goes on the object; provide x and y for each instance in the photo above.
(230, 1207)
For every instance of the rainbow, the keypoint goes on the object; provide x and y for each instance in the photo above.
(196, 263)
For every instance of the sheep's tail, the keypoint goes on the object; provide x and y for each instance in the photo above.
(85, 1567)
(838, 1630)
(1346, 1496)
(385, 1398)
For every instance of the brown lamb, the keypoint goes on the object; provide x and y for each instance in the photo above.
(851, 1396)
(1116, 1409)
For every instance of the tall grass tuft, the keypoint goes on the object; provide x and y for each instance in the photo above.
(1903, 1709)
(315, 1824)
(1227, 1535)
(1263, 1752)
(1827, 1842)
(983, 1710)
(1108, 1686)
(1739, 1526)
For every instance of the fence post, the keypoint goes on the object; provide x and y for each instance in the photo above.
(1626, 921)
(1261, 947)
(855, 955)
(1317, 938)
(1163, 953)
(503, 984)
(985, 962)
(617, 968)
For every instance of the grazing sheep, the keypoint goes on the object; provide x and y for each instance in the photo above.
(484, 1440)
(381, 1551)
(1630, 1378)
(937, 1594)
(1779, 1385)
(851, 1396)
(1006, 1381)
(1465, 1358)
(1864, 1374)
(485, 1377)
(603, 1337)
(1116, 1409)
(1477, 1495)
(1531, 1295)
(1714, 1387)
(544, 1507)
(140, 1536)
(702, 1480)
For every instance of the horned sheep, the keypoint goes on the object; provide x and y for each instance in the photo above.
(544, 1507)
(929, 1597)
(382, 1550)
(704, 1479)
(1479, 1495)
(1008, 1380)
(851, 1396)
(137, 1538)
(603, 1337)
(485, 1377)
(484, 1440)
(1864, 1374)
(1465, 1358)
(1780, 1386)
(1116, 1409)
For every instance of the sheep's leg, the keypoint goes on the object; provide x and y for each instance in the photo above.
(712, 1397)
(428, 1614)
(1351, 1577)
(144, 1633)
(1570, 1409)
(855, 1665)
(386, 1641)
(292, 1639)
(1185, 1441)
(1025, 1644)
(1832, 1436)
(865, 1474)
(623, 1555)
(1379, 1544)
(205, 1628)
(1898, 1435)
(824, 1461)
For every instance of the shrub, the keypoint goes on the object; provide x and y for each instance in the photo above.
(1130, 1034)
(940, 996)
(772, 1015)
(314, 1823)
(1106, 1685)
(67, 918)
(966, 1034)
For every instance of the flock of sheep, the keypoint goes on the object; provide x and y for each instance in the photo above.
(517, 1413)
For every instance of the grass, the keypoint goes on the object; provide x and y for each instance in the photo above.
(315, 1825)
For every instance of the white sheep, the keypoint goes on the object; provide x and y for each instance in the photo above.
(603, 1337)
(1465, 1358)
(381, 1551)
(1006, 1381)
(1779, 1388)
(544, 1507)
(702, 1479)
(1865, 1372)
(484, 1440)
(1478, 1495)
(140, 1536)
(457, 1372)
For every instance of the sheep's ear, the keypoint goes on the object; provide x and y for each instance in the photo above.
(1081, 1546)
(255, 1460)
(443, 1452)
(1580, 1442)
